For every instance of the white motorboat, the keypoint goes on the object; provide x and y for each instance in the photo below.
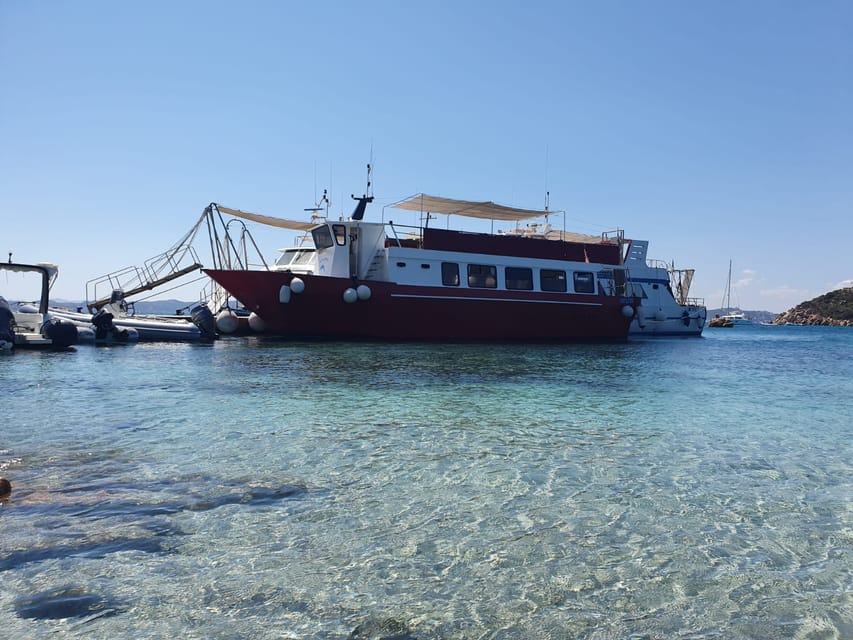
(665, 308)
(29, 325)
(732, 317)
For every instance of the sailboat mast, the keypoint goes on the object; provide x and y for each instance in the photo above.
(727, 296)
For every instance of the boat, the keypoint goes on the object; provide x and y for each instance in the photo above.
(29, 325)
(95, 329)
(386, 281)
(720, 322)
(115, 319)
(665, 308)
(110, 310)
(730, 318)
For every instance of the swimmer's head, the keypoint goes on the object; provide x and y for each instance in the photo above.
(5, 488)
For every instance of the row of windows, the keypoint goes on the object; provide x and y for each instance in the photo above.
(485, 276)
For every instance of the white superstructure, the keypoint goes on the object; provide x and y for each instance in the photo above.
(665, 308)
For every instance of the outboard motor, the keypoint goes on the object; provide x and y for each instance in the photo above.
(61, 334)
(104, 327)
(103, 321)
(203, 318)
(7, 334)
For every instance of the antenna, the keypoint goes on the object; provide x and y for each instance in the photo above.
(323, 204)
(363, 201)
(369, 171)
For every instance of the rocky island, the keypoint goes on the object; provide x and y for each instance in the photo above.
(833, 309)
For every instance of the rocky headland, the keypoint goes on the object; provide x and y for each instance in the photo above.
(833, 309)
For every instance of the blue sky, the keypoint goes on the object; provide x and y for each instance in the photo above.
(718, 131)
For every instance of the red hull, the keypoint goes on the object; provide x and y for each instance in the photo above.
(398, 312)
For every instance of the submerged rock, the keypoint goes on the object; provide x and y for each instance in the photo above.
(386, 629)
(64, 602)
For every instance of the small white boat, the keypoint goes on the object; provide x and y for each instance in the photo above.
(30, 326)
(731, 318)
(665, 308)
(736, 318)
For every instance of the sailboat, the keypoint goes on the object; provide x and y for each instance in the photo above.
(730, 318)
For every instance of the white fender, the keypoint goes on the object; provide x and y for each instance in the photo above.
(257, 323)
(350, 295)
(284, 294)
(297, 285)
(627, 311)
(641, 317)
(363, 292)
(227, 321)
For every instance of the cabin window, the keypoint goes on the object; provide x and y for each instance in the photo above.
(322, 237)
(552, 280)
(519, 278)
(295, 257)
(304, 257)
(584, 282)
(425, 265)
(450, 274)
(340, 234)
(401, 264)
(482, 276)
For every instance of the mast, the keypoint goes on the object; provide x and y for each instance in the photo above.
(727, 294)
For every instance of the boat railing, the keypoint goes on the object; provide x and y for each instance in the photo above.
(695, 302)
(416, 232)
(394, 232)
(611, 284)
(214, 297)
(616, 236)
(657, 264)
(132, 280)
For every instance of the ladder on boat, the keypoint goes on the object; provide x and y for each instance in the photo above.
(134, 280)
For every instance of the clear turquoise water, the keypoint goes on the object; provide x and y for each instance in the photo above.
(672, 488)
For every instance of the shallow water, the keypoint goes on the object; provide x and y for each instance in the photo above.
(674, 488)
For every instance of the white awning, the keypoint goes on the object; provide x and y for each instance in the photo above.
(270, 220)
(448, 206)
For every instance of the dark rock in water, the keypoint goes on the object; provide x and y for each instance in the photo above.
(65, 602)
(95, 549)
(387, 629)
(256, 495)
